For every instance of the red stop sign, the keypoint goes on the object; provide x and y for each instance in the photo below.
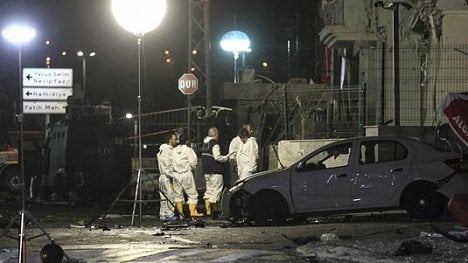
(188, 84)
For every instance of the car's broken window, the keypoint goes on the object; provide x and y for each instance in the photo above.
(333, 157)
(381, 151)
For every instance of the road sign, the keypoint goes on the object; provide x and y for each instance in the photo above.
(46, 93)
(188, 84)
(47, 77)
(44, 107)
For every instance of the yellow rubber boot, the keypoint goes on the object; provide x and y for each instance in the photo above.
(180, 209)
(207, 207)
(193, 210)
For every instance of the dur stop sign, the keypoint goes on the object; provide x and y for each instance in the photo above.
(188, 84)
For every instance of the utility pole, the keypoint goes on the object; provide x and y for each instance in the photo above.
(199, 59)
(395, 7)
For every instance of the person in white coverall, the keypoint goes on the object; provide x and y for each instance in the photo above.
(247, 154)
(213, 169)
(166, 192)
(236, 142)
(184, 160)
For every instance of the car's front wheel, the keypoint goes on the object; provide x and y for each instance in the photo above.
(268, 208)
(422, 201)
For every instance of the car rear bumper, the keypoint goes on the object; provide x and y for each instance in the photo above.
(458, 184)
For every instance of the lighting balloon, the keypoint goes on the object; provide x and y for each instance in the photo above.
(139, 16)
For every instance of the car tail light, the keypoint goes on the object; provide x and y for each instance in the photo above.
(455, 164)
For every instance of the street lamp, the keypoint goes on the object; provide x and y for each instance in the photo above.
(83, 55)
(19, 35)
(138, 17)
(236, 42)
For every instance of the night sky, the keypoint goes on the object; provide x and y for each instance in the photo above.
(73, 25)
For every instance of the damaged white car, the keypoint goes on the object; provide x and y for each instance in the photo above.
(359, 174)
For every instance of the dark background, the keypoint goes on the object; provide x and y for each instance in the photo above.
(73, 25)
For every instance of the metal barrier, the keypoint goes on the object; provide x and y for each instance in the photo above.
(155, 124)
(427, 75)
(297, 112)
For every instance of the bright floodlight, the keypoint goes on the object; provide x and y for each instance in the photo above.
(128, 115)
(139, 16)
(235, 41)
(19, 34)
(80, 53)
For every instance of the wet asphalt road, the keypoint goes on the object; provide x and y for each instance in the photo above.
(370, 237)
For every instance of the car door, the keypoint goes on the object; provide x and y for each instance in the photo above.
(383, 166)
(322, 180)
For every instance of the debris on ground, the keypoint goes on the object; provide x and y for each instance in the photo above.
(301, 240)
(320, 252)
(198, 223)
(427, 234)
(174, 226)
(412, 247)
(159, 234)
(457, 236)
(329, 237)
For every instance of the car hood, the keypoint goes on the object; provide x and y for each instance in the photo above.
(261, 175)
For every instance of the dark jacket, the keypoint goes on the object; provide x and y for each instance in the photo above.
(210, 165)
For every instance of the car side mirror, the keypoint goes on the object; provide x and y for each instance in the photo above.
(300, 167)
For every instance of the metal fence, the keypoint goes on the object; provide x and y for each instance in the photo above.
(427, 75)
(298, 112)
(155, 124)
(153, 127)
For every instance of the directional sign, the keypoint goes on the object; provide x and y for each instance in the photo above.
(46, 93)
(188, 84)
(44, 107)
(47, 77)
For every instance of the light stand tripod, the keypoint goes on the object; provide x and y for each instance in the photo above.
(23, 216)
(138, 197)
(138, 190)
(138, 17)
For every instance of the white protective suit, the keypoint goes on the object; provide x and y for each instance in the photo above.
(246, 156)
(184, 160)
(164, 157)
(233, 171)
(234, 146)
(214, 182)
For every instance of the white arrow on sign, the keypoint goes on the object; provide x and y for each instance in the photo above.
(44, 107)
(47, 77)
(47, 93)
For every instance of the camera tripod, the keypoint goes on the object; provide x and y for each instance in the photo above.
(24, 218)
(138, 198)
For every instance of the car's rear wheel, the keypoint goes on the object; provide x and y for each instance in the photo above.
(10, 179)
(268, 208)
(422, 201)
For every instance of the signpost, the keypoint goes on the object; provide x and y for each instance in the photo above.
(454, 109)
(188, 85)
(45, 90)
(30, 93)
(44, 107)
(48, 77)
